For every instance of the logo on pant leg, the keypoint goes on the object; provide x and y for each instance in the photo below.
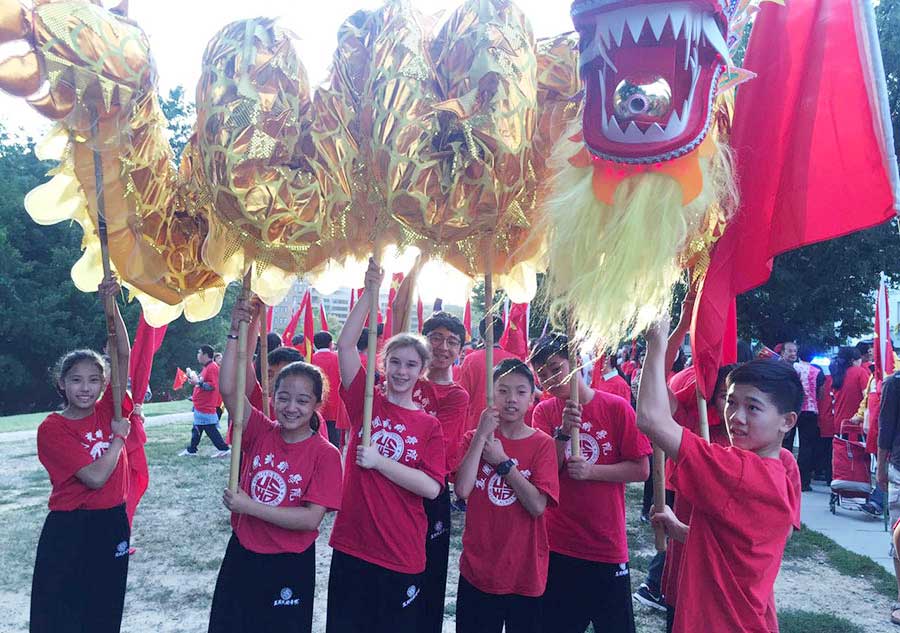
(411, 592)
(287, 599)
(122, 549)
(623, 570)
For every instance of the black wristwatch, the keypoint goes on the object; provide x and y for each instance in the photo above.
(503, 468)
(560, 436)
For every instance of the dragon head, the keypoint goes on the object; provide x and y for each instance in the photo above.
(650, 70)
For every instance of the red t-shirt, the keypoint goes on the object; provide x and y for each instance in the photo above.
(848, 397)
(332, 408)
(449, 404)
(473, 378)
(207, 401)
(277, 473)
(379, 521)
(590, 520)
(741, 518)
(505, 549)
(615, 385)
(794, 496)
(65, 446)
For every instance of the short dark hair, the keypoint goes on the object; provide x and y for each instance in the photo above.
(445, 320)
(315, 375)
(806, 352)
(296, 339)
(863, 347)
(380, 330)
(282, 355)
(772, 377)
(362, 343)
(551, 344)
(208, 350)
(498, 327)
(322, 340)
(513, 366)
(273, 340)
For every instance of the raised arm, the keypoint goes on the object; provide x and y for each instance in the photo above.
(681, 329)
(654, 414)
(348, 356)
(252, 336)
(228, 374)
(110, 288)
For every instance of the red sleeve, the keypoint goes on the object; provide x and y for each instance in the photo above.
(60, 450)
(325, 485)
(257, 424)
(354, 397)
(706, 475)
(545, 476)
(432, 460)
(465, 375)
(255, 397)
(632, 443)
(464, 445)
(454, 407)
(210, 375)
(542, 419)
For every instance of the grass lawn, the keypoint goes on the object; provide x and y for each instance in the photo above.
(28, 421)
(181, 530)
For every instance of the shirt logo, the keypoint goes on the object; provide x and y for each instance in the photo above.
(499, 492)
(411, 592)
(590, 449)
(389, 444)
(287, 599)
(268, 487)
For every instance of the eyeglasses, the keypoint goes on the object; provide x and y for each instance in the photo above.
(437, 340)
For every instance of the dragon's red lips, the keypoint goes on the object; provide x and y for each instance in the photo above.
(649, 69)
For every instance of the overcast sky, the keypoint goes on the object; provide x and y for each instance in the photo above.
(179, 30)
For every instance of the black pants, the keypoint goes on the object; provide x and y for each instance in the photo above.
(670, 618)
(80, 572)
(334, 433)
(808, 428)
(264, 593)
(437, 553)
(581, 592)
(212, 431)
(367, 598)
(480, 612)
(824, 447)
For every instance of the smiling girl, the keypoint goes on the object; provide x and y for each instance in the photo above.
(379, 535)
(81, 565)
(290, 477)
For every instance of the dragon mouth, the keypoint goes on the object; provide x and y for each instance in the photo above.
(649, 72)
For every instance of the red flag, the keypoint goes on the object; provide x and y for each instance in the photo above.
(804, 178)
(467, 318)
(323, 322)
(420, 313)
(515, 336)
(287, 337)
(309, 326)
(147, 340)
(396, 280)
(883, 348)
(180, 378)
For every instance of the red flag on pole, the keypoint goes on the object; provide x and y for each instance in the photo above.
(270, 312)
(180, 378)
(420, 313)
(467, 318)
(323, 322)
(803, 179)
(515, 336)
(309, 326)
(396, 280)
(883, 348)
(290, 330)
(147, 340)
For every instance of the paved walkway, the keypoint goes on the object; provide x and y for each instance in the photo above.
(853, 530)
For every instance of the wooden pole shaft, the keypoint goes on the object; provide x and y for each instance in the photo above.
(109, 303)
(574, 378)
(263, 359)
(237, 427)
(371, 357)
(659, 494)
(489, 328)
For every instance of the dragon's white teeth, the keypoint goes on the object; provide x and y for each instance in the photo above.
(657, 16)
(635, 23)
(714, 38)
(677, 15)
(616, 24)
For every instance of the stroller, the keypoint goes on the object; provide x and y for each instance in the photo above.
(851, 483)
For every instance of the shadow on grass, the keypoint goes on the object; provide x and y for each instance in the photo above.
(808, 543)
(796, 621)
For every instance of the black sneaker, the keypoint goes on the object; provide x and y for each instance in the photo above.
(646, 597)
(872, 509)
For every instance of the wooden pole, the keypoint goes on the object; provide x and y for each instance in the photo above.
(109, 303)
(371, 356)
(574, 378)
(704, 416)
(659, 494)
(263, 359)
(489, 326)
(237, 426)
